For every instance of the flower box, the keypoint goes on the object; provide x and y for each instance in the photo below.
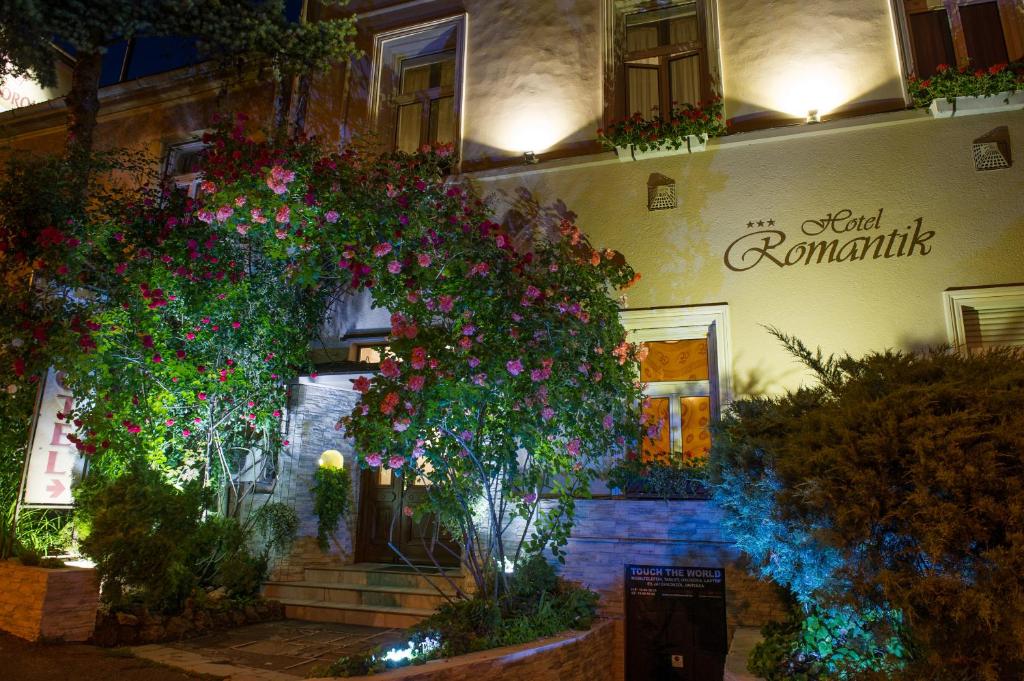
(691, 145)
(970, 106)
(50, 604)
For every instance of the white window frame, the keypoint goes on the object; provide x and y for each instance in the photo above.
(187, 181)
(688, 323)
(954, 301)
(390, 48)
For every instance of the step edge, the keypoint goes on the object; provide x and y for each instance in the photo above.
(357, 607)
(373, 588)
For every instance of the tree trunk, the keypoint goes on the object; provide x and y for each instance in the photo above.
(83, 103)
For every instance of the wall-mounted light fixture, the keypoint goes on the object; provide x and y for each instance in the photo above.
(530, 158)
(813, 117)
(332, 458)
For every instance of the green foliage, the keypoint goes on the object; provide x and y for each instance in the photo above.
(666, 132)
(824, 644)
(686, 479)
(332, 491)
(950, 82)
(230, 31)
(891, 488)
(536, 605)
(151, 542)
(45, 531)
(276, 525)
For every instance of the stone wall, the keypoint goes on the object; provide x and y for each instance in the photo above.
(575, 656)
(38, 603)
(314, 409)
(611, 533)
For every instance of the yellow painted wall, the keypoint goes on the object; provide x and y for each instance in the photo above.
(920, 167)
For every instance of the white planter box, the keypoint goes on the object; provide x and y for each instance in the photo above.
(691, 145)
(970, 106)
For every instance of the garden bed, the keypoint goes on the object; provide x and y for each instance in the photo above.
(126, 626)
(38, 603)
(572, 656)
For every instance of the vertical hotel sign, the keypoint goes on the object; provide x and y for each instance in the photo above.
(53, 461)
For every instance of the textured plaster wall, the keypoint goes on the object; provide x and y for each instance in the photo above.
(790, 56)
(534, 75)
(921, 168)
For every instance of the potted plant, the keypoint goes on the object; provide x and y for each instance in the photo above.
(961, 92)
(685, 130)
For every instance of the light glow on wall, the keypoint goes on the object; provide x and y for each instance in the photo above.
(533, 127)
(804, 87)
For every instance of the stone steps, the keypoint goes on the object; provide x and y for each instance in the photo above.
(368, 594)
(389, 617)
(356, 594)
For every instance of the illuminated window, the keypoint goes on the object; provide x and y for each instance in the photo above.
(425, 103)
(961, 32)
(983, 318)
(665, 57)
(417, 83)
(687, 377)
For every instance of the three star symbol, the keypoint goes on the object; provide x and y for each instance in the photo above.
(761, 223)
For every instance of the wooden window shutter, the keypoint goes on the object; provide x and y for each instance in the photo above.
(993, 326)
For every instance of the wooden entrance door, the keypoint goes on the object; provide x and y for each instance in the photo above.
(382, 521)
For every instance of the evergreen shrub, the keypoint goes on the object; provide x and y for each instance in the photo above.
(894, 487)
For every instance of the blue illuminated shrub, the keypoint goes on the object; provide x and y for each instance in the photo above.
(891, 497)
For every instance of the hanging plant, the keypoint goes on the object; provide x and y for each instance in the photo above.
(332, 493)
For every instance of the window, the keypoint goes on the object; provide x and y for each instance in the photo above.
(416, 84)
(973, 33)
(660, 54)
(982, 318)
(687, 377)
(425, 103)
(182, 167)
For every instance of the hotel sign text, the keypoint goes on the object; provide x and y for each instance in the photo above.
(841, 236)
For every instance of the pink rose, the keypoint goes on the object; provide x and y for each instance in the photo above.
(515, 367)
(394, 267)
(416, 383)
(331, 216)
(423, 259)
(389, 368)
(382, 249)
(283, 214)
(373, 460)
(396, 461)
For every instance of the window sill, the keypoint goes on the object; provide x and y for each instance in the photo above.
(735, 140)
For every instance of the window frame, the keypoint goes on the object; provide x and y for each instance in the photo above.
(954, 300)
(688, 323)
(187, 181)
(1012, 25)
(390, 49)
(615, 69)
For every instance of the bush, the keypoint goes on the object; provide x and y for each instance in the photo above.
(332, 490)
(687, 480)
(895, 486)
(537, 604)
(151, 544)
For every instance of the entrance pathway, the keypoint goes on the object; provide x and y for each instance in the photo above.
(271, 651)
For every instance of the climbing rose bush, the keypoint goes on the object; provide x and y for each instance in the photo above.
(506, 378)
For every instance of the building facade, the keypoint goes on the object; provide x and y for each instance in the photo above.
(832, 211)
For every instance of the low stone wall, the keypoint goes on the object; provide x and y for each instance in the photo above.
(135, 625)
(575, 656)
(44, 604)
(611, 533)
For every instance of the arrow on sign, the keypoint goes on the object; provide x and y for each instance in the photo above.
(55, 488)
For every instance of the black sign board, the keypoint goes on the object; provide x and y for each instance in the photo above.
(675, 623)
